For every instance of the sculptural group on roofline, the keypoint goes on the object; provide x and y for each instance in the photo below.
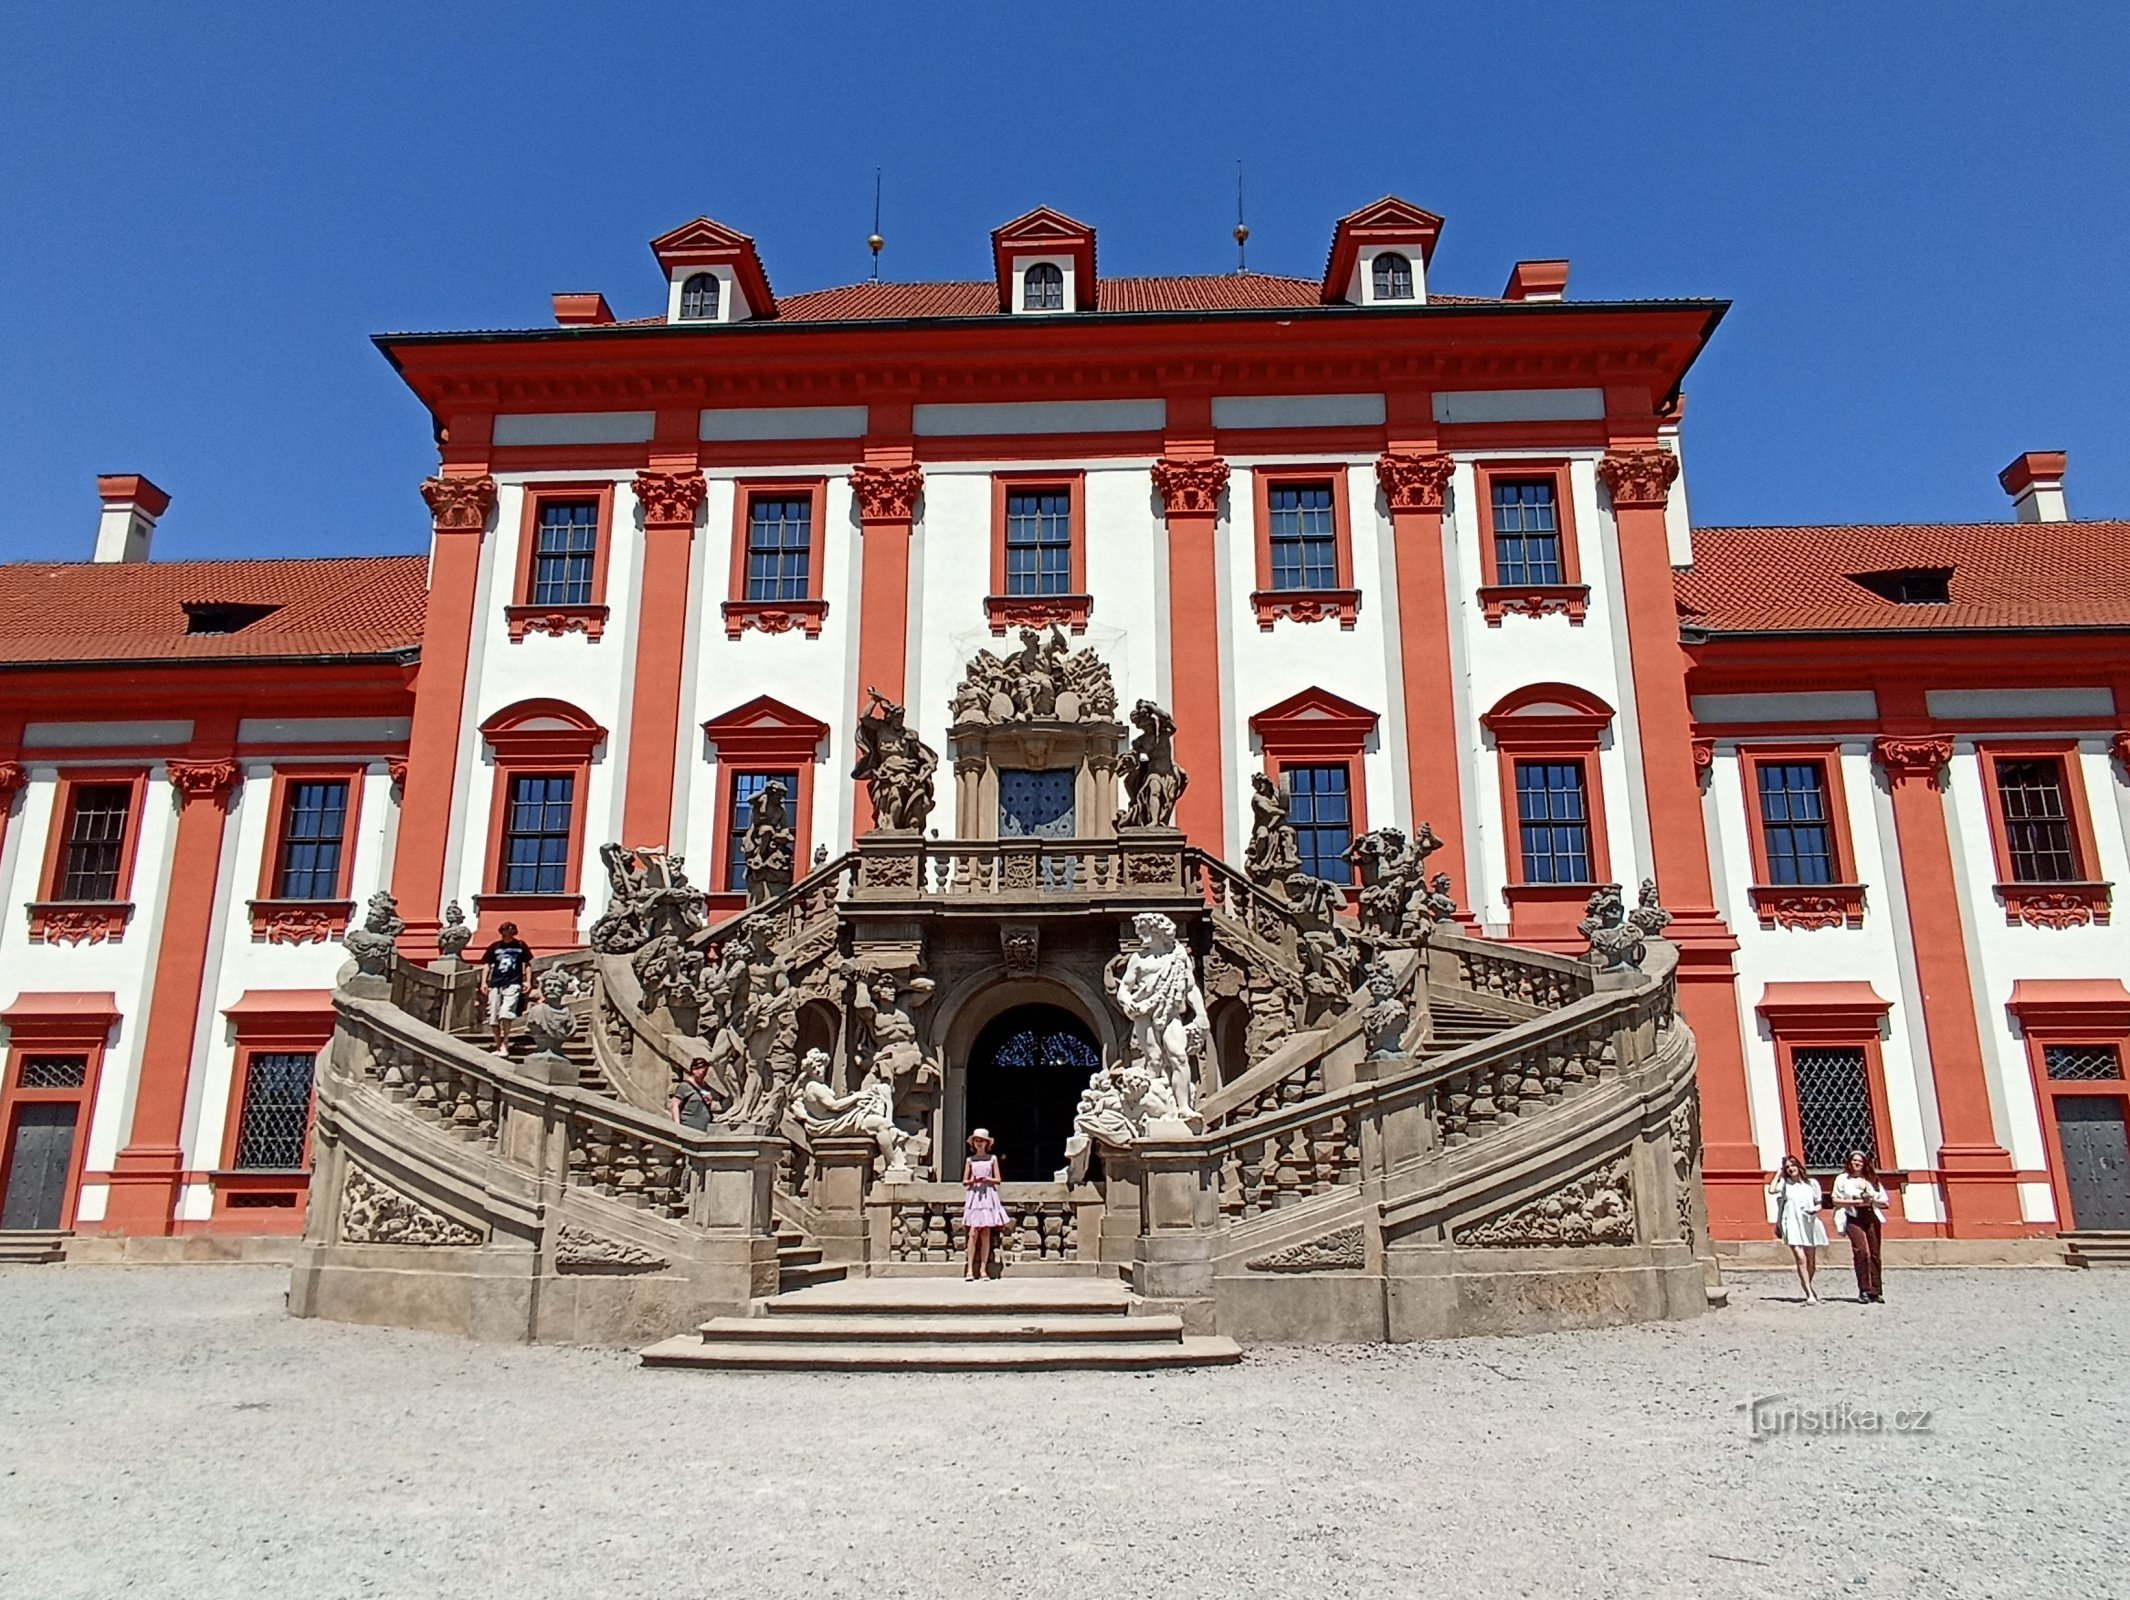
(1043, 681)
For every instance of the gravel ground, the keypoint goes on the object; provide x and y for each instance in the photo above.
(167, 1431)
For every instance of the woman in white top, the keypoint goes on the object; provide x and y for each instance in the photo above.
(1859, 1212)
(1797, 1224)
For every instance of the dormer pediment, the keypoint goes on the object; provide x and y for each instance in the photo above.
(1394, 229)
(1048, 239)
(704, 248)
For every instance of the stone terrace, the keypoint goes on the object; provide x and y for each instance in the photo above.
(170, 1432)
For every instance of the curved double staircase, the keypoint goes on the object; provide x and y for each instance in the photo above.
(1524, 1155)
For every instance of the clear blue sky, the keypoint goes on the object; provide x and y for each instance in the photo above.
(1919, 210)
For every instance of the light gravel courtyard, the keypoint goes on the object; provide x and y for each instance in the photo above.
(168, 1431)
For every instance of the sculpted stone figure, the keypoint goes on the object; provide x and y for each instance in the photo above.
(1616, 944)
(867, 1112)
(883, 1006)
(750, 1016)
(1153, 783)
(453, 937)
(1273, 854)
(1043, 681)
(1158, 992)
(895, 765)
(1387, 1014)
(377, 940)
(1114, 1110)
(769, 844)
(649, 895)
(1648, 915)
(1438, 903)
(1394, 881)
(548, 1022)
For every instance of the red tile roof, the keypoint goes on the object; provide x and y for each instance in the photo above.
(2004, 575)
(135, 611)
(1233, 291)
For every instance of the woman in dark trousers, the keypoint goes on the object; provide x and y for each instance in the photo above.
(1860, 1214)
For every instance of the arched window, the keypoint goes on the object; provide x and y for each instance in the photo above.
(1043, 288)
(698, 298)
(1394, 277)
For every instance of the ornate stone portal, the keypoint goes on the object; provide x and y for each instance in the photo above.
(1036, 743)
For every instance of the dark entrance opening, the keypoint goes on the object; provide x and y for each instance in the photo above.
(1024, 1081)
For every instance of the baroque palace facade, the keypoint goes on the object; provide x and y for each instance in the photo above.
(1421, 558)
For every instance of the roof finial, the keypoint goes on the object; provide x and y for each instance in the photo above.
(873, 241)
(1242, 230)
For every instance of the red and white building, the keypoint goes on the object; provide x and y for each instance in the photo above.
(1426, 555)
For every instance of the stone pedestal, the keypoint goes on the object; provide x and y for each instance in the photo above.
(890, 864)
(1153, 857)
(1172, 1266)
(842, 1174)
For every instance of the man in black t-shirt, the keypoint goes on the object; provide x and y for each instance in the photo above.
(505, 967)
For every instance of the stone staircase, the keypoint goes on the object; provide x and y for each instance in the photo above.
(799, 1264)
(1014, 1324)
(32, 1246)
(2096, 1248)
(578, 1051)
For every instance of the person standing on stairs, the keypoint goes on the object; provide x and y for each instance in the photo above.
(505, 964)
(983, 1214)
(691, 1105)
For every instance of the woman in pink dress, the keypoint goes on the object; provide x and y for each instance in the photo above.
(982, 1213)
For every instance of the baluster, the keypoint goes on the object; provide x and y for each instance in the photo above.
(628, 1169)
(1251, 1167)
(1573, 1073)
(1482, 1113)
(1231, 1184)
(1552, 1070)
(1455, 1108)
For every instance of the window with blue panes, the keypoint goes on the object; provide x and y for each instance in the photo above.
(1303, 536)
(745, 786)
(780, 545)
(536, 832)
(1039, 541)
(1527, 538)
(565, 542)
(1553, 816)
(1320, 805)
(1794, 827)
(314, 821)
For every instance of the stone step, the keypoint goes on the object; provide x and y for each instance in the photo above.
(689, 1351)
(950, 1297)
(797, 1255)
(989, 1328)
(32, 1246)
(2096, 1248)
(792, 1279)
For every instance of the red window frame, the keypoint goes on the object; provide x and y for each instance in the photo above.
(54, 920)
(1317, 728)
(281, 921)
(761, 735)
(1830, 1016)
(2075, 901)
(1071, 610)
(1342, 601)
(1551, 722)
(1571, 596)
(2093, 1012)
(1839, 904)
(267, 1021)
(522, 616)
(538, 738)
(777, 616)
(56, 1025)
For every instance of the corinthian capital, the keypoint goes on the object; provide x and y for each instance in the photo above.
(203, 780)
(1413, 483)
(1639, 479)
(670, 499)
(887, 494)
(13, 779)
(460, 504)
(1913, 758)
(1190, 485)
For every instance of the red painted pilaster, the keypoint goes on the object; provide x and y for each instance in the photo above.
(1981, 1188)
(461, 506)
(670, 501)
(886, 488)
(1190, 488)
(1639, 482)
(1413, 485)
(148, 1171)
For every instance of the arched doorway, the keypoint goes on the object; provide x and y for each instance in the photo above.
(1024, 1077)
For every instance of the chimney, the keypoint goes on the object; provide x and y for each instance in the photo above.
(2035, 483)
(127, 526)
(582, 310)
(1537, 280)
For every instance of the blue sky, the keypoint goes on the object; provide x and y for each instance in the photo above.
(205, 211)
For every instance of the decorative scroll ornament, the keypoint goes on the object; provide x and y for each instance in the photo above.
(1413, 483)
(14, 778)
(1833, 906)
(577, 1247)
(299, 924)
(2059, 906)
(1597, 1209)
(670, 499)
(887, 494)
(895, 766)
(460, 504)
(373, 1212)
(587, 620)
(1043, 681)
(1904, 759)
(1190, 487)
(1339, 1251)
(1639, 479)
(396, 770)
(60, 923)
(1704, 757)
(203, 780)
(1153, 782)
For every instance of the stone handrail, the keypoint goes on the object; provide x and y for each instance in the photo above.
(1538, 979)
(819, 889)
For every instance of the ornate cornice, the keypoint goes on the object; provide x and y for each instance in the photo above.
(1903, 759)
(887, 494)
(1413, 483)
(1820, 905)
(2055, 905)
(670, 499)
(1570, 600)
(775, 616)
(1306, 605)
(203, 780)
(1190, 487)
(1003, 611)
(555, 621)
(1639, 479)
(460, 504)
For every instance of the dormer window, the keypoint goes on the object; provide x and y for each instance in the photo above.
(698, 298)
(1394, 276)
(1043, 288)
